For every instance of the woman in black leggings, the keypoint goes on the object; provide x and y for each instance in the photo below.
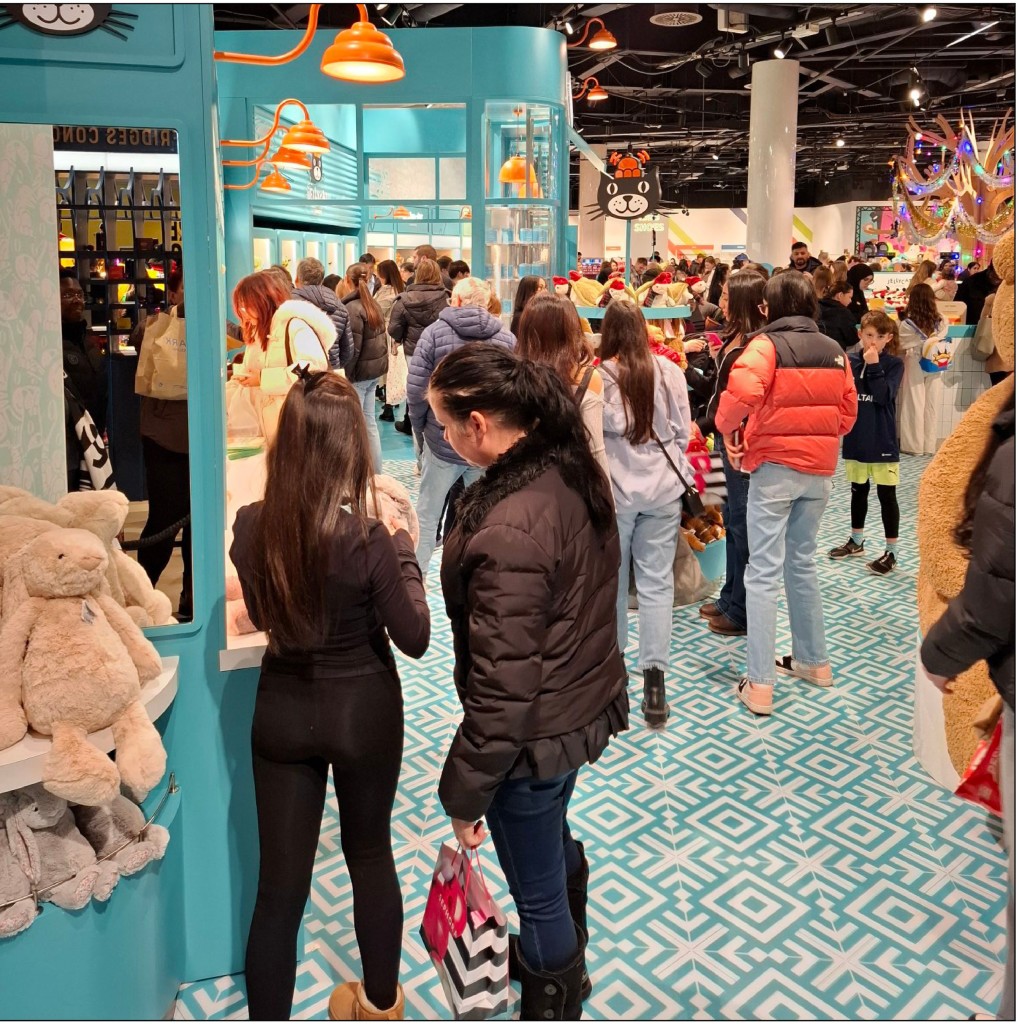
(326, 581)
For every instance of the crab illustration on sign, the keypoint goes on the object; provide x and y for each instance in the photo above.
(68, 19)
(630, 188)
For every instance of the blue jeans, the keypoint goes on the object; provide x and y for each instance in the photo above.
(527, 819)
(437, 476)
(649, 538)
(366, 392)
(732, 602)
(783, 515)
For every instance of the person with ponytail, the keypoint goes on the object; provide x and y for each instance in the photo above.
(529, 577)
(647, 426)
(370, 357)
(330, 575)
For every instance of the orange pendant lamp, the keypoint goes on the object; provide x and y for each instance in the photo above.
(306, 137)
(275, 183)
(362, 53)
(290, 158)
(514, 172)
(401, 213)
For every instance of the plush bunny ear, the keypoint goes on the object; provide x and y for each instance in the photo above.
(21, 838)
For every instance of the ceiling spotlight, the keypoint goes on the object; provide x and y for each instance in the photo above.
(831, 35)
(914, 93)
(743, 60)
(569, 27)
(840, 142)
(702, 69)
(714, 155)
(928, 14)
(782, 49)
(919, 136)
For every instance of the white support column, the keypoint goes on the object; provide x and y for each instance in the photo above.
(591, 229)
(771, 171)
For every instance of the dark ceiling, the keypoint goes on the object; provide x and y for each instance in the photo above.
(683, 92)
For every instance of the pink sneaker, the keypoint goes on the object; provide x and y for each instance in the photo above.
(807, 673)
(756, 696)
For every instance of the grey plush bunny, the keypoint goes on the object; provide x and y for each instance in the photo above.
(109, 828)
(53, 854)
(17, 913)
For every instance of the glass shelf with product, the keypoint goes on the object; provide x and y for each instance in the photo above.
(523, 155)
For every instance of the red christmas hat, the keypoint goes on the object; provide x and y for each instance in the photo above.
(558, 281)
(575, 275)
(617, 284)
(692, 280)
(663, 279)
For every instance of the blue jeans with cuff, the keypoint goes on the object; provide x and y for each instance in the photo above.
(649, 538)
(784, 512)
(527, 819)
(437, 477)
(366, 392)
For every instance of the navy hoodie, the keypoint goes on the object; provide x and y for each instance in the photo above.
(874, 437)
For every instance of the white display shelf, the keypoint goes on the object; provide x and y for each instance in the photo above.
(243, 652)
(21, 765)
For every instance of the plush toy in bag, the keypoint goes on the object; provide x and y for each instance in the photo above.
(72, 662)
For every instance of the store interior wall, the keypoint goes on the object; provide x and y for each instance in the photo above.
(32, 450)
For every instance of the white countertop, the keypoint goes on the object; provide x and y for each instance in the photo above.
(21, 765)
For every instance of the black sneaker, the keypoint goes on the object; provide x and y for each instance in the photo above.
(884, 565)
(848, 550)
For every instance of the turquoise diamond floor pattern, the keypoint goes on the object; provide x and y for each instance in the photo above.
(797, 867)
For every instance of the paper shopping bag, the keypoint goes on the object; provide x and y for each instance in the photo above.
(980, 783)
(467, 937)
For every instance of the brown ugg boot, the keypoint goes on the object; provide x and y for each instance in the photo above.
(349, 1002)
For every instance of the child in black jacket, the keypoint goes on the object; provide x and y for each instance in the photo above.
(871, 449)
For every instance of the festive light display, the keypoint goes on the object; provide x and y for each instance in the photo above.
(967, 190)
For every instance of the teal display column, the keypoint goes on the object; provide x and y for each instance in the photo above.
(185, 918)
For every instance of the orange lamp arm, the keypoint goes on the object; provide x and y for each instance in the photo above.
(284, 58)
(584, 87)
(254, 180)
(272, 131)
(582, 38)
(251, 163)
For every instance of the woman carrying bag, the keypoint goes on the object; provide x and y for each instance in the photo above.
(280, 333)
(646, 428)
(529, 579)
(922, 334)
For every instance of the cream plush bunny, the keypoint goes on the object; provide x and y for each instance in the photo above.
(72, 662)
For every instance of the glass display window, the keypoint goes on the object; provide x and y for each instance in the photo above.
(521, 157)
(518, 245)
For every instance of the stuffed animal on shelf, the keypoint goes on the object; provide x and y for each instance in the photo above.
(584, 291)
(616, 290)
(73, 662)
(118, 831)
(943, 562)
(55, 857)
(17, 905)
(15, 533)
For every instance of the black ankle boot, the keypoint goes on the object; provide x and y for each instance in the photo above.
(387, 414)
(656, 711)
(404, 425)
(554, 995)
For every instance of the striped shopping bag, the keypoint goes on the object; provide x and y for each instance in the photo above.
(467, 937)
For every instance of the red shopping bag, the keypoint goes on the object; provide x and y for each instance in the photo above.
(467, 936)
(980, 783)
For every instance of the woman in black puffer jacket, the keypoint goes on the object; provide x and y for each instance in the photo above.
(370, 358)
(416, 308)
(529, 576)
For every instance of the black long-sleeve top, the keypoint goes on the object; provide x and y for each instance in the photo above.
(373, 587)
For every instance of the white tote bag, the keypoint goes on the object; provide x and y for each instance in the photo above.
(143, 378)
(170, 361)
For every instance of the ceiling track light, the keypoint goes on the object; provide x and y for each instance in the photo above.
(840, 142)
(782, 49)
(743, 60)
(928, 14)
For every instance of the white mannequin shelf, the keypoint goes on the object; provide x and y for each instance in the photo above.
(21, 765)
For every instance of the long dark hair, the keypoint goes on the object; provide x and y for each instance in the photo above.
(389, 273)
(527, 396)
(303, 507)
(922, 308)
(526, 291)
(624, 338)
(746, 293)
(718, 280)
(790, 295)
(357, 275)
(550, 333)
(978, 481)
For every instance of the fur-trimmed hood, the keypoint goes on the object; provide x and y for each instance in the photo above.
(527, 460)
(300, 309)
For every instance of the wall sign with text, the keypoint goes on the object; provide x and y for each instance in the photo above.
(107, 139)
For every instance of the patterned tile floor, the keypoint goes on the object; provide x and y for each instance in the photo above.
(797, 867)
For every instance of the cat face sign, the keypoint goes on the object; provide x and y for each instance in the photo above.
(68, 19)
(632, 190)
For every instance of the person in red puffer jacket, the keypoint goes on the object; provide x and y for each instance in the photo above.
(789, 399)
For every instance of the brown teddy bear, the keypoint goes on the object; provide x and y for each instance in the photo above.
(943, 562)
(72, 662)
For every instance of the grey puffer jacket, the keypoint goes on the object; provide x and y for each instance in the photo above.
(415, 308)
(530, 589)
(456, 326)
(370, 356)
(328, 301)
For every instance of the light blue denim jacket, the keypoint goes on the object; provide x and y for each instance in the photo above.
(641, 476)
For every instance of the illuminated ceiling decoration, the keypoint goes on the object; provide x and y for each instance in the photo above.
(968, 189)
